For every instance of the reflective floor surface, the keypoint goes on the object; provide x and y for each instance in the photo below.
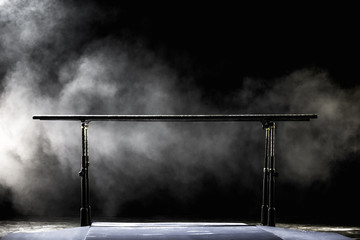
(55, 224)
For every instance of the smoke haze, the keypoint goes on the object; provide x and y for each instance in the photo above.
(52, 64)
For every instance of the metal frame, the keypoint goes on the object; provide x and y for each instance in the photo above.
(268, 123)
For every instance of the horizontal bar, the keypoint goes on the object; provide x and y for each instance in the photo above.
(180, 118)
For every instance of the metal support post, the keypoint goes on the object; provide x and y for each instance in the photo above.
(265, 192)
(272, 175)
(85, 210)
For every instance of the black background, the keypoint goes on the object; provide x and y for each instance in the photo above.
(224, 42)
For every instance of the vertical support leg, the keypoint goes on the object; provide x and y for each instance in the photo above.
(272, 175)
(264, 206)
(85, 211)
(87, 162)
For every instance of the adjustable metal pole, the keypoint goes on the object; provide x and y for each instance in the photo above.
(85, 210)
(272, 175)
(265, 192)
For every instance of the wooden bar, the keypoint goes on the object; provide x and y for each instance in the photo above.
(179, 118)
